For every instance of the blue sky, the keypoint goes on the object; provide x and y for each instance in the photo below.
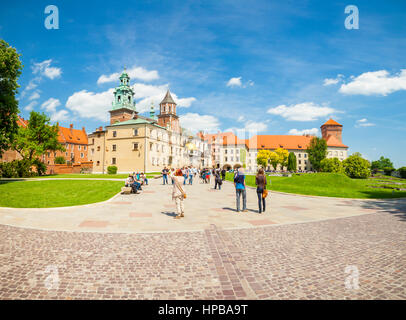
(278, 67)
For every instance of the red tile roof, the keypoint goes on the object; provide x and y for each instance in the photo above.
(70, 135)
(332, 122)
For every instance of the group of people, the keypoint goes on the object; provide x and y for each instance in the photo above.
(185, 175)
(188, 173)
(136, 180)
(241, 191)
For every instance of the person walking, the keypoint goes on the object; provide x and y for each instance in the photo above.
(217, 180)
(190, 175)
(178, 194)
(260, 181)
(239, 183)
(185, 174)
(165, 175)
(223, 174)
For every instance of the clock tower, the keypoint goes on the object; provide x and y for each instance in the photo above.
(167, 114)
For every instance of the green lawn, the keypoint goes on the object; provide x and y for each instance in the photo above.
(55, 193)
(328, 185)
(90, 175)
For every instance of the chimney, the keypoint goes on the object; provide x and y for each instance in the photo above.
(71, 128)
(83, 129)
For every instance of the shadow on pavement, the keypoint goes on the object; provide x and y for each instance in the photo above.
(395, 207)
(170, 214)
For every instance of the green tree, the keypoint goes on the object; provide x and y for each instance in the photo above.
(274, 159)
(292, 163)
(60, 160)
(36, 139)
(357, 167)
(263, 158)
(381, 164)
(331, 165)
(10, 70)
(283, 155)
(317, 151)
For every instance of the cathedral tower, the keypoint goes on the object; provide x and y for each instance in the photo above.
(167, 114)
(123, 104)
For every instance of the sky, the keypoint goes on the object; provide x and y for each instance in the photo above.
(265, 67)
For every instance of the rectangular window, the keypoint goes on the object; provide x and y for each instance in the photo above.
(300, 161)
(114, 147)
(135, 146)
(135, 132)
(113, 161)
(97, 163)
(82, 155)
(98, 148)
(305, 155)
(84, 148)
(300, 155)
(114, 134)
(79, 147)
(92, 151)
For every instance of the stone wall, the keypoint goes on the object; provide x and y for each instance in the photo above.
(69, 168)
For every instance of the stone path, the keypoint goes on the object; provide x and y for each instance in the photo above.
(226, 257)
(154, 211)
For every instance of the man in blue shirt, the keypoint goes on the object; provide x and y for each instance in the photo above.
(239, 183)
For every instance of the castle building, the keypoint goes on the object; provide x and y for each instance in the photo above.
(133, 142)
(228, 151)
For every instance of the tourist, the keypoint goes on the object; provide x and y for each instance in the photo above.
(130, 182)
(223, 174)
(260, 181)
(217, 180)
(185, 174)
(144, 178)
(190, 175)
(207, 176)
(165, 175)
(178, 194)
(172, 174)
(239, 183)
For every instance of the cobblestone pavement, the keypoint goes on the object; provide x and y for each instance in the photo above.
(153, 211)
(290, 261)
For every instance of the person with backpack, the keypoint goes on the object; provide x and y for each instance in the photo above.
(165, 175)
(240, 190)
(223, 174)
(217, 180)
(262, 192)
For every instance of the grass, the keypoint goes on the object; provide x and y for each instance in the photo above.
(55, 193)
(328, 185)
(92, 176)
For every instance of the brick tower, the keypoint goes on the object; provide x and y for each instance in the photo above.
(167, 114)
(332, 128)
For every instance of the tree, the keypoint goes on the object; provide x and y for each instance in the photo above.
(37, 138)
(331, 165)
(292, 163)
(263, 158)
(274, 159)
(60, 160)
(381, 164)
(357, 167)
(317, 151)
(10, 70)
(283, 155)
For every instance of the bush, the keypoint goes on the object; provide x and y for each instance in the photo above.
(60, 160)
(388, 170)
(402, 172)
(111, 169)
(357, 167)
(40, 166)
(15, 169)
(332, 165)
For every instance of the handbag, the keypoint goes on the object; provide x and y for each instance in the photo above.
(264, 193)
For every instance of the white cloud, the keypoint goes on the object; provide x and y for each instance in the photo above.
(34, 96)
(240, 119)
(91, 105)
(196, 122)
(30, 106)
(60, 115)
(44, 69)
(50, 105)
(255, 126)
(375, 83)
(234, 82)
(134, 73)
(306, 111)
(250, 128)
(154, 94)
(363, 123)
(313, 131)
(328, 82)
